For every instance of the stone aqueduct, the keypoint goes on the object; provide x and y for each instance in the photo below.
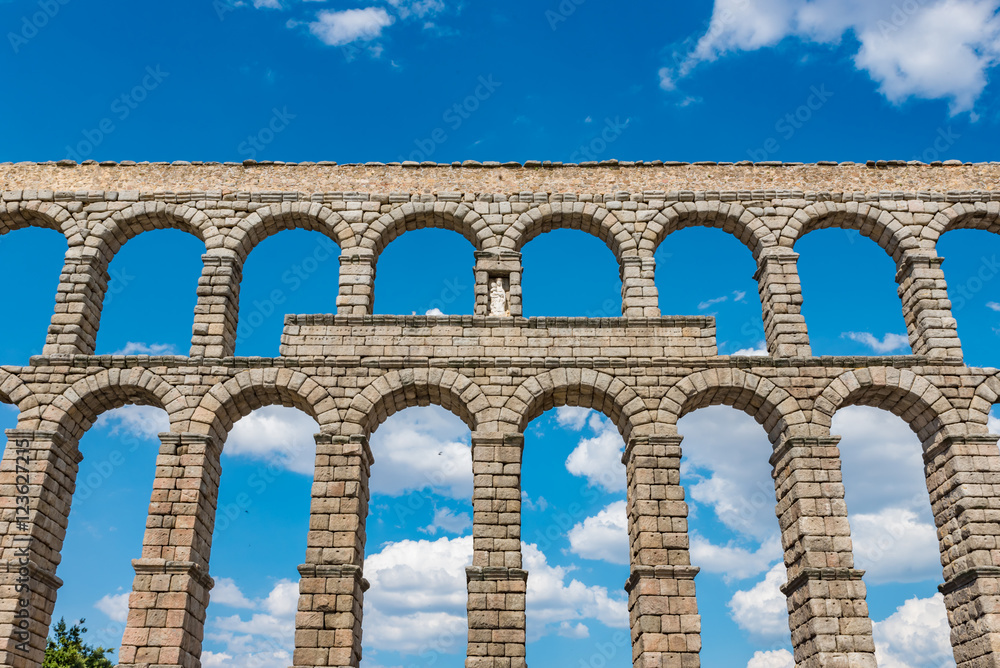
(352, 370)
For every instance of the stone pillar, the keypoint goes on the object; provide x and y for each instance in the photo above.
(170, 593)
(926, 307)
(497, 584)
(331, 588)
(505, 265)
(357, 285)
(963, 478)
(828, 614)
(79, 301)
(640, 298)
(663, 610)
(781, 301)
(217, 311)
(37, 481)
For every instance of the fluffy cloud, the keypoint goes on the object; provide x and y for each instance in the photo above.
(115, 606)
(932, 49)
(350, 25)
(759, 351)
(425, 448)
(599, 458)
(780, 658)
(762, 610)
(281, 436)
(552, 601)
(603, 537)
(448, 521)
(134, 348)
(265, 639)
(573, 417)
(894, 546)
(732, 561)
(889, 343)
(917, 635)
(144, 422)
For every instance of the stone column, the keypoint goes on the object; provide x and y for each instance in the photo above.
(963, 478)
(79, 301)
(828, 614)
(663, 610)
(357, 285)
(217, 311)
(37, 481)
(166, 619)
(781, 301)
(926, 307)
(331, 588)
(640, 298)
(497, 583)
(505, 265)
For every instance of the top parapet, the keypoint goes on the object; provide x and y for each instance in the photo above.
(496, 177)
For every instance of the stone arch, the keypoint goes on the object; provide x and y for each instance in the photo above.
(730, 217)
(900, 391)
(14, 392)
(454, 216)
(963, 216)
(771, 406)
(987, 394)
(588, 217)
(230, 400)
(398, 390)
(74, 411)
(880, 226)
(587, 388)
(109, 235)
(48, 215)
(269, 220)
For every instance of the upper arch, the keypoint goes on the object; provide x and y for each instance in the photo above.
(270, 220)
(880, 226)
(455, 216)
(730, 217)
(589, 217)
(398, 390)
(758, 397)
(48, 215)
(14, 392)
(228, 401)
(74, 411)
(905, 394)
(587, 388)
(111, 234)
(963, 216)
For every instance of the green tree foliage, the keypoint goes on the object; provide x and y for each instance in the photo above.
(68, 650)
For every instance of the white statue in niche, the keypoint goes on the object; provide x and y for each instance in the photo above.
(498, 297)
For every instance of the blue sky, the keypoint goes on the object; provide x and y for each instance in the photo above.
(295, 81)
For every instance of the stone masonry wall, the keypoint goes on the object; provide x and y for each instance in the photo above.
(498, 370)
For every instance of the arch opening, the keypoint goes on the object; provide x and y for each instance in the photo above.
(569, 273)
(32, 260)
(426, 272)
(971, 267)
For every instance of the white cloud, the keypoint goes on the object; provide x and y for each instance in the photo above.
(115, 606)
(739, 295)
(993, 306)
(759, 351)
(889, 343)
(434, 311)
(350, 25)
(265, 640)
(552, 601)
(667, 81)
(917, 635)
(934, 49)
(134, 348)
(894, 546)
(422, 448)
(732, 561)
(417, 601)
(573, 417)
(278, 435)
(708, 303)
(762, 610)
(145, 422)
(599, 458)
(603, 537)
(448, 521)
(779, 658)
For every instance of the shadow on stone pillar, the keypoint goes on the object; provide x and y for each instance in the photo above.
(781, 302)
(38, 478)
(923, 292)
(640, 297)
(217, 310)
(79, 302)
(357, 285)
